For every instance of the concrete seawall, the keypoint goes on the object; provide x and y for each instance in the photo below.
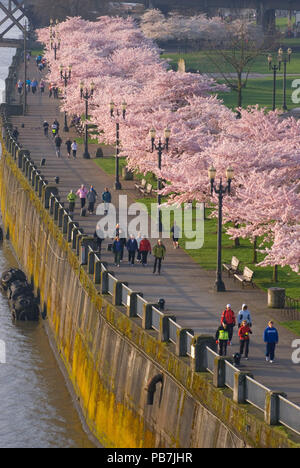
(109, 357)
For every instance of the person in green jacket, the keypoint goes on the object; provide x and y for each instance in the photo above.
(222, 338)
(159, 254)
(71, 199)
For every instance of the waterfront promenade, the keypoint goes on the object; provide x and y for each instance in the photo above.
(186, 288)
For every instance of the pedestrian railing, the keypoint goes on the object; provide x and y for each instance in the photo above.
(210, 359)
(291, 310)
(289, 414)
(256, 393)
(230, 372)
(126, 293)
(201, 349)
(156, 318)
(174, 329)
(140, 303)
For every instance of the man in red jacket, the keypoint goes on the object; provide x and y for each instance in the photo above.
(228, 317)
(145, 248)
(244, 332)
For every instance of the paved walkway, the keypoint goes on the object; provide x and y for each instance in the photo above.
(186, 287)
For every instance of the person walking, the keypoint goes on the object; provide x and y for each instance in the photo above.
(271, 339)
(20, 85)
(139, 240)
(15, 133)
(106, 198)
(117, 249)
(42, 86)
(58, 142)
(222, 338)
(28, 85)
(46, 127)
(98, 238)
(228, 317)
(132, 247)
(244, 332)
(82, 193)
(91, 198)
(159, 252)
(123, 241)
(244, 314)
(69, 147)
(175, 230)
(74, 149)
(71, 199)
(34, 85)
(54, 128)
(145, 249)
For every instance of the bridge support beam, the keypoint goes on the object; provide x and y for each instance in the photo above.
(266, 18)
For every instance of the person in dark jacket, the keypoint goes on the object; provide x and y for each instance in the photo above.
(132, 247)
(58, 142)
(271, 339)
(159, 252)
(98, 238)
(69, 147)
(117, 249)
(106, 198)
(91, 198)
(222, 337)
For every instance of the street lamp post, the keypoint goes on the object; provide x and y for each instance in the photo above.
(55, 45)
(66, 76)
(160, 147)
(86, 94)
(285, 59)
(25, 69)
(118, 185)
(220, 190)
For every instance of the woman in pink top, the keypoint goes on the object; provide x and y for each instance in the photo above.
(82, 193)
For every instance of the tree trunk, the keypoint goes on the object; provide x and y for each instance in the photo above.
(254, 250)
(236, 242)
(239, 90)
(275, 274)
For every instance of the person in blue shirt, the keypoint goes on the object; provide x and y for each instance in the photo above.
(271, 339)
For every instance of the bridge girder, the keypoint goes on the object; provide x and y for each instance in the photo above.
(13, 7)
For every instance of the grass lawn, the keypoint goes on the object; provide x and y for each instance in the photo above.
(293, 325)
(107, 164)
(260, 91)
(200, 61)
(207, 258)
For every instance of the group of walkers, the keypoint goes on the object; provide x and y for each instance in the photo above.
(224, 333)
(31, 86)
(84, 195)
(138, 248)
(70, 145)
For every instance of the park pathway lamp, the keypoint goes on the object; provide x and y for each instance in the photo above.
(281, 59)
(86, 94)
(160, 147)
(66, 76)
(220, 190)
(54, 38)
(284, 58)
(118, 185)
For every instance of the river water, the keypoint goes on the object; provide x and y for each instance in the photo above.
(36, 408)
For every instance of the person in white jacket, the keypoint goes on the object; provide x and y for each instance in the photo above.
(244, 314)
